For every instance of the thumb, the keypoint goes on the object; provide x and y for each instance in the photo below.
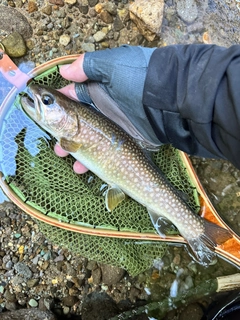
(74, 71)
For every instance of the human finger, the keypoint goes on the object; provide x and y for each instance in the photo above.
(74, 71)
(77, 167)
(69, 91)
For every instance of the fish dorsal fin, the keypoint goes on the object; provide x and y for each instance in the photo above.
(161, 224)
(69, 146)
(113, 197)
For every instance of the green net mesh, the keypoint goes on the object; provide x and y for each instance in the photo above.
(48, 183)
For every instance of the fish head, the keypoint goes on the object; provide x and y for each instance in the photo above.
(50, 109)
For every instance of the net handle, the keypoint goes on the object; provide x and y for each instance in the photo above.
(11, 72)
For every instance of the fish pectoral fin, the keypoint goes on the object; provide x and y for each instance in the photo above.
(202, 248)
(113, 197)
(161, 224)
(69, 146)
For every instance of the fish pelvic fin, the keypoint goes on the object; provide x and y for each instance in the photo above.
(113, 197)
(203, 247)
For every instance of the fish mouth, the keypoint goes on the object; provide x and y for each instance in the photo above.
(31, 104)
(29, 101)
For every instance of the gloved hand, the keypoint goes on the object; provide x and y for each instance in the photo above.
(121, 72)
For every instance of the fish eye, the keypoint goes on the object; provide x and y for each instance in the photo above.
(47, 99)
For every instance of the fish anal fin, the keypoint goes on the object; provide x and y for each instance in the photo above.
(113, 197)
(203, 247)
(69, 146)
(161, 224)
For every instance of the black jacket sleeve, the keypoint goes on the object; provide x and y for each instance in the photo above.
(192, 99)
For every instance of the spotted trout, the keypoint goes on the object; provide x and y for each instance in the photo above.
(116, 158)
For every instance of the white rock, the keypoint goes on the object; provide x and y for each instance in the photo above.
(64, 40)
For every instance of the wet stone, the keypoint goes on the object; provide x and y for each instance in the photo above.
(111, 275)
(14, 45)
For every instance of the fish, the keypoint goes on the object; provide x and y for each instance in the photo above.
(116, 158)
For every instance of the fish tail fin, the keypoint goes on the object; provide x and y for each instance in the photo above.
(203, 247)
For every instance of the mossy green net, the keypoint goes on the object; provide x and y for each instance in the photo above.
(48, 183)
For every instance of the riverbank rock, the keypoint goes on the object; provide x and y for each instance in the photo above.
(12, 20)
(147, 15)
(187, 10)
(98, 306)
(14, 45)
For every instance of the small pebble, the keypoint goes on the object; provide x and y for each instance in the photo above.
(33, 303)
(32, 6)
(106, 17)
(23, 270)
(99, 36)
(88, 47)
(64, 40)
(47, 10)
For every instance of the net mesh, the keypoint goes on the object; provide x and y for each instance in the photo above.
(48, 183)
